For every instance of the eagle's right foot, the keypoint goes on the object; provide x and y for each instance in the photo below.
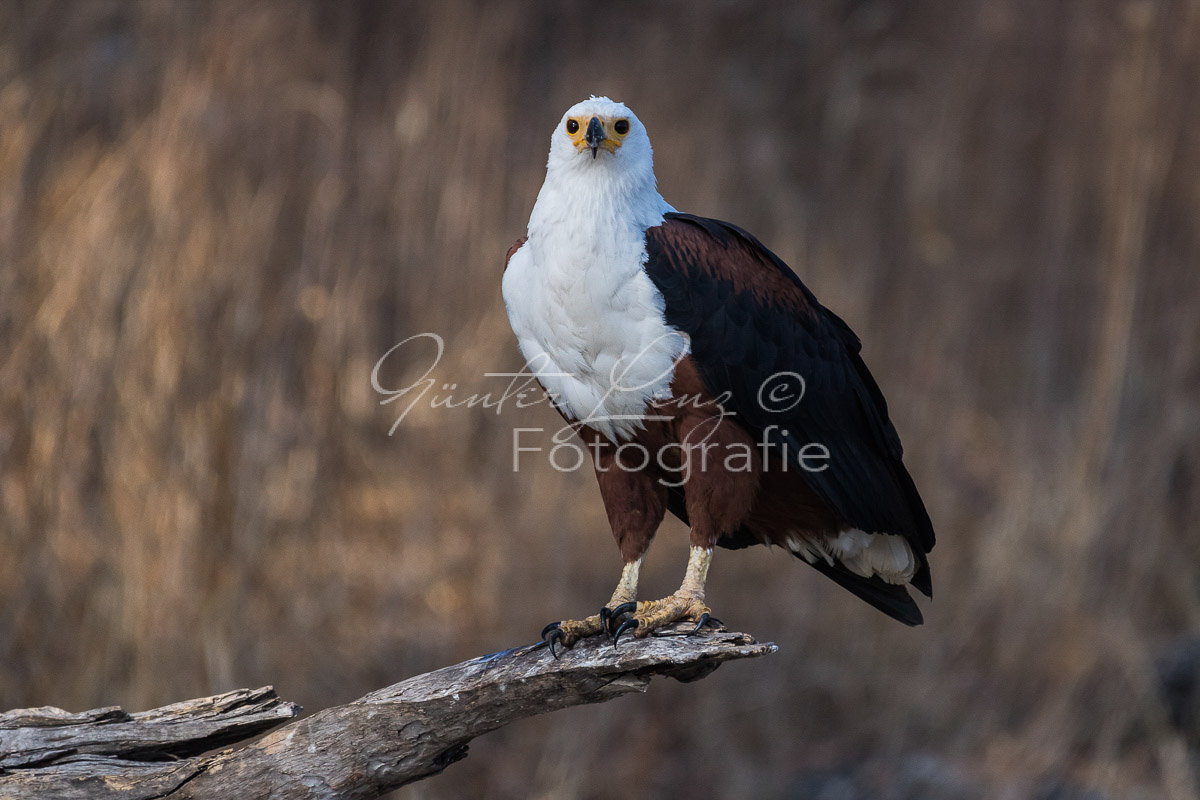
(569, 631)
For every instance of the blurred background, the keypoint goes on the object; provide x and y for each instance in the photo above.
(215, 217)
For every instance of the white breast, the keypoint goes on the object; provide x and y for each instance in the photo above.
(590, 324)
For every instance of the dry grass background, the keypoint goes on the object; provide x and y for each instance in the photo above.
(216, 217)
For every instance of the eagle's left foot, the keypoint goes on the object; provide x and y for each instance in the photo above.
(651, 615)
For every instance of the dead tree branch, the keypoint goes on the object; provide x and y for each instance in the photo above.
(406, 732)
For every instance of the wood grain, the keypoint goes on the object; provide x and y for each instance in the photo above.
(394, 736)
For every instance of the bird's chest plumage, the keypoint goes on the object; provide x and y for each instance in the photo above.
(590, 324)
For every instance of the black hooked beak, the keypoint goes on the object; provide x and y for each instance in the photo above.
(595, 135)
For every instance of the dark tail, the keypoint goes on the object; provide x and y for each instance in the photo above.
(890, 598)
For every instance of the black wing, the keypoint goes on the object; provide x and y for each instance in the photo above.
(755, 326)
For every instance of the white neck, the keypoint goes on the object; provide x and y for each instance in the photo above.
(588, 319)
(588, 201)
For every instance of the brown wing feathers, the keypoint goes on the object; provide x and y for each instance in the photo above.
(751, 320)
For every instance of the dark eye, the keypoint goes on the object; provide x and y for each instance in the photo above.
(572, 126)
(621, 126)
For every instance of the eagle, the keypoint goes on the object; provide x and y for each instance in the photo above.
(703, 378)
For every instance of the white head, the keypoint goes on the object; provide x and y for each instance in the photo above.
(601, 135)
(600, 171)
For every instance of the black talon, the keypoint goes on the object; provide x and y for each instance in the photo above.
(605, 616)
(553, 638)
(705, 619)
(616, 614)
(625, 608)
(627, 625)
(552, 635)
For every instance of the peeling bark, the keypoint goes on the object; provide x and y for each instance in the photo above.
(391, 737)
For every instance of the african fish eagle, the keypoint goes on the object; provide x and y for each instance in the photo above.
(705, 379)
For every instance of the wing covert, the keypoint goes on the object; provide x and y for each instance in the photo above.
(761, 339)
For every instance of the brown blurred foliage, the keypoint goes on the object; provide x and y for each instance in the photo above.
(215, 217)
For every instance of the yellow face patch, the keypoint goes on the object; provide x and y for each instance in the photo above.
(615, 131)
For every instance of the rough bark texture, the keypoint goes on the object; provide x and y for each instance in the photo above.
(394, 736)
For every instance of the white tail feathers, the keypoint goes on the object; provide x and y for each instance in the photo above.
(865, 554)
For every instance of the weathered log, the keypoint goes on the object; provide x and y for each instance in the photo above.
(406, 732)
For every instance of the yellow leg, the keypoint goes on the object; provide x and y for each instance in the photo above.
(570, 631)
(686, 604)
(626, 590)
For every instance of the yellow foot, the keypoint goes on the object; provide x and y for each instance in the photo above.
(570, 631)
(651, 615)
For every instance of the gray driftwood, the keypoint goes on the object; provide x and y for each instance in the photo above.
(394, 736)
